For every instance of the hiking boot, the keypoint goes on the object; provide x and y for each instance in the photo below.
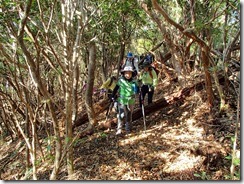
(127, 127)
(128, 131)
(118, 132)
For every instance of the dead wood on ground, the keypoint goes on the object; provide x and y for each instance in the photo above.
(157, 105)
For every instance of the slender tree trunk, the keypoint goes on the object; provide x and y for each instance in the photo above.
(208, 81)
(237, 126)
(9, 128)
(89, 91)
(27, 131)
(121, 56)
(33, 125)
(71, 78)
(30, 145)
(218, 86)
(38, 83)
(69, 133)
(58, 146)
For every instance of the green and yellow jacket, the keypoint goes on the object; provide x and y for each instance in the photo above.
(126, 90)
(149, 78)
(109, 84)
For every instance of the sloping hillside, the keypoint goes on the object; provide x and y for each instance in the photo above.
(182, 141)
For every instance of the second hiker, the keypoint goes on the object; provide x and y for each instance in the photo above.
(149, 80)
(132, 61)
(109, 85)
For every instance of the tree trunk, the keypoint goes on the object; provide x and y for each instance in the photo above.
(90, 84)
(27, 131)
(68, 126)
(37, 81)
(34, 140)
(30, 61)
(58, 146)
(69, 82)
(99, 108)
(208, 81)
(165, 71)
(121, 56)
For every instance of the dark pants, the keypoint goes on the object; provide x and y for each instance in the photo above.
(110, 94)
(115, 98)
(144, 91)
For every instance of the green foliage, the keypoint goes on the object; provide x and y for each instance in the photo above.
(202, 175)
(80, 141)
(29, 172)
(49, 141)
(143, 45)
(49, 147)
(103, 135)
(236, 161)
(67, 140)
(50, 157)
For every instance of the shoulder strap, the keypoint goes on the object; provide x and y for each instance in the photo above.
(133, 62)
(150, 72)
(111, 81)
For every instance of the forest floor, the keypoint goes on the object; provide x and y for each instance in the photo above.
(182, 141)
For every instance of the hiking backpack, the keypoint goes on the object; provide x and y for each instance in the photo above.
(148, 63)
(155, 69)
(112, 78)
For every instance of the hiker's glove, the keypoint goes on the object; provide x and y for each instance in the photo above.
(103, 91)
(139, 82)
(112, 99)
(151, 87)
(154, 88)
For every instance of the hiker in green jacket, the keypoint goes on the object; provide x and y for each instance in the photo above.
(149, 79)
(127, 87)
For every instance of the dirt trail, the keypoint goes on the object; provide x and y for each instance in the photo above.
(182, 142)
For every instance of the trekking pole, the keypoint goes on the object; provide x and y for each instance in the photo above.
(143, 111)
(109, 109)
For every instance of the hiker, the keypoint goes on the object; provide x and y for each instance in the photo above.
(149, 80)
(150, 58)
(127, 88)
(109, 85)
(130, 60)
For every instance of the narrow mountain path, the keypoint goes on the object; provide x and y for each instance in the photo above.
(180, 143)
